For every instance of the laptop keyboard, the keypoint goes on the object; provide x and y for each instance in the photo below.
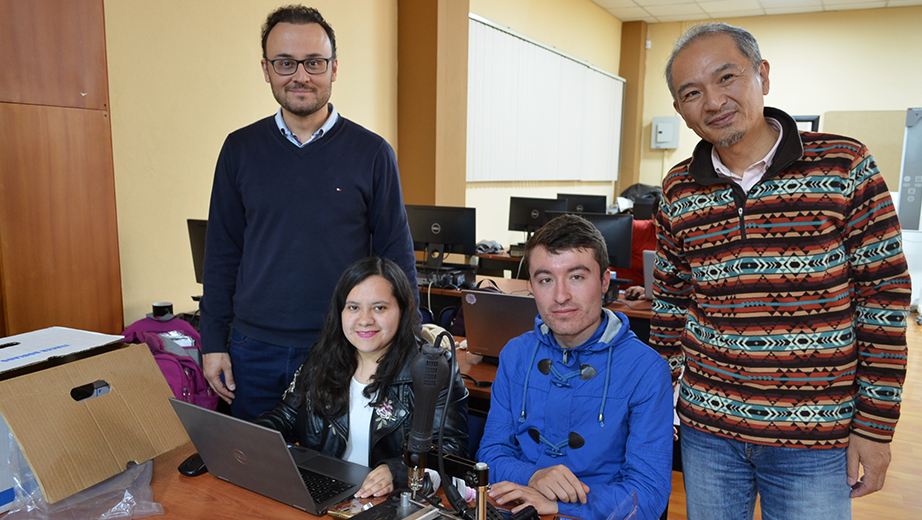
(322, 487)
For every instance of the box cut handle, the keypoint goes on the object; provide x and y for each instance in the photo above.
(89, 390)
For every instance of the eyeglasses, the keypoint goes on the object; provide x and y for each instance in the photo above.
(288, 66)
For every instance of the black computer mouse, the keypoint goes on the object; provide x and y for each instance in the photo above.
(193, 466)
(631, 296)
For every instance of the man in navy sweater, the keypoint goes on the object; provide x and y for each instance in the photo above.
(296, 197)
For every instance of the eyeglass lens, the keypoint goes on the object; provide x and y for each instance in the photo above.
(286, 67)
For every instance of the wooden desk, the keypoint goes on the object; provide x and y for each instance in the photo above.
(472, 365)
(495, 264)
(507, 285)
(206, 497)
(639, 312)
(640, 309)
(436, 299)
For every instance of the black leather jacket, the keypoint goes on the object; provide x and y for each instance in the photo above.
(390, 424)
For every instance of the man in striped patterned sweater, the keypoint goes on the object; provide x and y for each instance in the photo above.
(782, 289)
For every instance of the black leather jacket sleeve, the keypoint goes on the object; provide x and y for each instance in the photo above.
(283, 417)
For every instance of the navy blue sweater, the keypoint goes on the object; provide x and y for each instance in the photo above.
(285, 222)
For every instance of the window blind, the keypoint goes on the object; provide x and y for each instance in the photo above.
(536, 114)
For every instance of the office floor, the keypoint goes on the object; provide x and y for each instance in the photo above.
(901, 496)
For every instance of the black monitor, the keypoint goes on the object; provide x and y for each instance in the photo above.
(197, 239)
(643, 208)
(617, 230)
(527, 214)
(584, 203)
(440, 230)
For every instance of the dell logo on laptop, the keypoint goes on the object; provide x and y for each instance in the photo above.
(436, 228)
(240, 456)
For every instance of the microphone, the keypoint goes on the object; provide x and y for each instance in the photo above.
(430, 372)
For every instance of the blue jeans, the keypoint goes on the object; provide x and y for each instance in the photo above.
(262, 372)
(723, 476)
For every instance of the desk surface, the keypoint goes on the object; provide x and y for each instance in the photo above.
(207, 497)
(640, 309)
(507, 285)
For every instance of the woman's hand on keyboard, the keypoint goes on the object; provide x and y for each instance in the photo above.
(378, 483)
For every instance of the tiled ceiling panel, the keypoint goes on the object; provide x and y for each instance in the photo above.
(657, 11)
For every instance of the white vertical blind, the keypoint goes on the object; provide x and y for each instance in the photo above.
(535, 114)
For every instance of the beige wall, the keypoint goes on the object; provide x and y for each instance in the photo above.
(182, 75)
(579, 28)
(835, 61)
(171, 112)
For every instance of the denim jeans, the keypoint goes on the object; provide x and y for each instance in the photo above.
(723, 476)
(262, 372)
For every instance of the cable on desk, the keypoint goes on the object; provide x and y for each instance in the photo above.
(478, 384)
(519, 271)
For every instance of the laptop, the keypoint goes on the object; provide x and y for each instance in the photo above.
(491, 319)
(257, 458)
(649, 257)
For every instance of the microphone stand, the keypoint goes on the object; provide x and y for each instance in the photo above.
(474, 474)
(420, 453)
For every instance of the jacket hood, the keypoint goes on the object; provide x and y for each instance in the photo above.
(613, 325)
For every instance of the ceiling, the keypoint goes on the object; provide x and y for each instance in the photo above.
(656, 11)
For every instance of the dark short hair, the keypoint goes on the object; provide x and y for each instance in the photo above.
(296, 14)
(568, 232)
(745, 42)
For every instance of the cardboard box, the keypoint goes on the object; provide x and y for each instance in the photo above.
(7, 494)
(70, 444)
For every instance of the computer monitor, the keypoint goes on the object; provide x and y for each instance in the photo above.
(527, 214)
(584, 203)
(643, 208)
(197, 240)
(617, 230)
(440, 230)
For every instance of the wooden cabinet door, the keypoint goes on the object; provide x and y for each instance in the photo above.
(53, 52)
(58, 236)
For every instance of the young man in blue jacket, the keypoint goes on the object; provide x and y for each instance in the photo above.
(580, 418)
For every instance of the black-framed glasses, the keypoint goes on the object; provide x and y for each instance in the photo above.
(288, 66)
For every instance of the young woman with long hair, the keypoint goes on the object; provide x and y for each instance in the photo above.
(353, 396)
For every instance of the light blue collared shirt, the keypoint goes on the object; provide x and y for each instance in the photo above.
(331, 120)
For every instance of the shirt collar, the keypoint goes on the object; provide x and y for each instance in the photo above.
(327, 125)
(754, 172)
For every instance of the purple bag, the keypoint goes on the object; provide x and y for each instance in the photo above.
(182, 372)
(186, 379)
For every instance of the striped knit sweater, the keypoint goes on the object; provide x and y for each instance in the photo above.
(787, 305)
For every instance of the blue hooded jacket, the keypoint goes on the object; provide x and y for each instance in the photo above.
(603, 409)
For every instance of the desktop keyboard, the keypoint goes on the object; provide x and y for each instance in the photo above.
(322, 487)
